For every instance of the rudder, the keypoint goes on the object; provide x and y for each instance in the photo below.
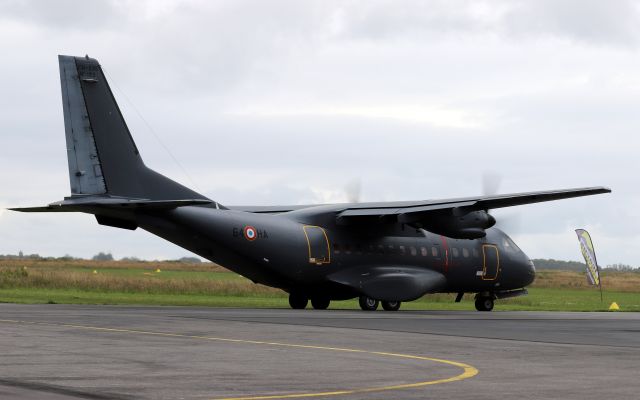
(85, 170)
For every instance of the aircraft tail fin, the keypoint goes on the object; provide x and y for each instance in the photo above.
(103, 158)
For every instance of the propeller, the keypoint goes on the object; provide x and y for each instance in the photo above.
(505, 221)
(353, 190)
(491, 182)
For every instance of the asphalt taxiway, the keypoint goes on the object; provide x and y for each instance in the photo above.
(106, 352)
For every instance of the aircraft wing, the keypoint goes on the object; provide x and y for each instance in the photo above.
(269, 209)
(401, 211)
(462, 218)
(398, 208)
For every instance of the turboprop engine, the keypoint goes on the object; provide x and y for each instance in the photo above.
(458, 223)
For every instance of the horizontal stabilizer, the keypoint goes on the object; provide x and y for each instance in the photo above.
(86, 204)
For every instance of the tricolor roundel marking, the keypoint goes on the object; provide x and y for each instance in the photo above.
(250, 233)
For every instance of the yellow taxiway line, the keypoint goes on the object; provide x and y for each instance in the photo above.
(468, 371)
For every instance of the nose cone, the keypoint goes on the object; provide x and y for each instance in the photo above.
(529, 273)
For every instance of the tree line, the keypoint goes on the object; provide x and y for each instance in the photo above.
(101, 256)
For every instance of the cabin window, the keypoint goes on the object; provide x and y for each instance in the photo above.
(434, 251)
(423, 251)
(465, 253)
(390, 249)
(475, 253)
(413, 251)
(336, 248)
(380, 249)
(454, 251)
(402, 250)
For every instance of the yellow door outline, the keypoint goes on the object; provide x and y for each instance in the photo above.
(484, 262)
(312, 257)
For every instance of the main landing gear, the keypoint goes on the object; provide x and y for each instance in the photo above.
(369, 304)
(320, 303)
(391, 305)
(298, 301)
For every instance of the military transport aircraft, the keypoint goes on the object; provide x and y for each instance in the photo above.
(386, 252)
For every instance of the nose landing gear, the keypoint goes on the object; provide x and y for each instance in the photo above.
(484, 302)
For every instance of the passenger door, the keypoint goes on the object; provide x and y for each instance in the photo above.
(318, 245)
(491, 262)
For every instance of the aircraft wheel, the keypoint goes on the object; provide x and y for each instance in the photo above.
(298, 301)
(320, 303)
(484, 303)
(391, 305)
(368, 304)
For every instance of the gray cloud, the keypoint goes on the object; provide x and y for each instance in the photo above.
(65, 14)
(590, 21)
(380, 20)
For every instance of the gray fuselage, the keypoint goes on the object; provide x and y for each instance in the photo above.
(286, 254)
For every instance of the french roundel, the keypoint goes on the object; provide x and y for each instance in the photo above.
(250, 233)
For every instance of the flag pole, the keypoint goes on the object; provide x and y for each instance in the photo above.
(600, 283)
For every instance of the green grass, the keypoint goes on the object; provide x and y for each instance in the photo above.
(206, 284)
(163, 274)
(543, 299)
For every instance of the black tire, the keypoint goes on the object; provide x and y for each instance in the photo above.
(391, 305)
(320, 303)
(484, 303)
(368, 304)
(298, 301)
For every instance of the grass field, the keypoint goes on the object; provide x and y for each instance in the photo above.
(205, 284)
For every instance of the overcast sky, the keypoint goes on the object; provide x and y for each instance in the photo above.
(289, 102)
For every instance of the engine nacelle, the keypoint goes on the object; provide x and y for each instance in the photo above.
(458, 223)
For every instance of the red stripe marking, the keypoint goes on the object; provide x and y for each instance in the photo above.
(446, 253)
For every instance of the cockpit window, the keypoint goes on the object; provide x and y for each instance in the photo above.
(509, 245)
